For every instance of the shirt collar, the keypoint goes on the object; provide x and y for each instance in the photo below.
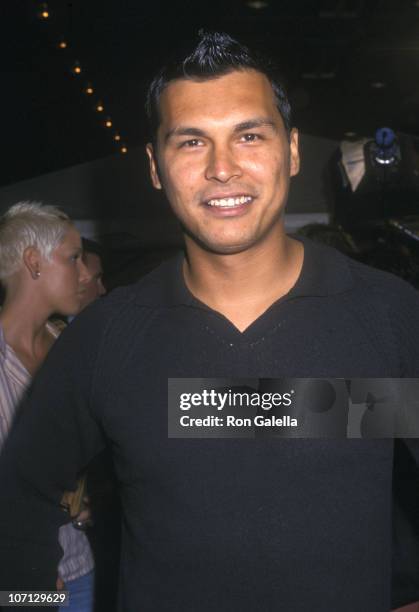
(13, 366)
(325, 272)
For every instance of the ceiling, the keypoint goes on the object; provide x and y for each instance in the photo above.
(350, 65)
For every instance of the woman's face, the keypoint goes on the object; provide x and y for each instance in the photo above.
(64, 276)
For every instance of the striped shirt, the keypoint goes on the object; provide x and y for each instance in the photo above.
(14, 379)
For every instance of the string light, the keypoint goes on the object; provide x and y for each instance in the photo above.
(43, 12)
(76, 68)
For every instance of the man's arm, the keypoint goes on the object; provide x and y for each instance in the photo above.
(54, 438)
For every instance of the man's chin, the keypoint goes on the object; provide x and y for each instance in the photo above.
(226, 246)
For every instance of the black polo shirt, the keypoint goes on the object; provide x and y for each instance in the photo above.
(216, 524)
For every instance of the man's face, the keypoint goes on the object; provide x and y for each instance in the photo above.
(94, 287)
(224, 159)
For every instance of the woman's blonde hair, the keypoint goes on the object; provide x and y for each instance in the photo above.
(28, 224)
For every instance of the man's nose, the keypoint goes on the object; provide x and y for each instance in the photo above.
(222, 165)
(84, 274)
(101, 287)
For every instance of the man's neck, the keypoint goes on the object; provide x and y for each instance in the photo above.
(242, 286)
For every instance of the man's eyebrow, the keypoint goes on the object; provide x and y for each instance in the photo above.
(255, 123)
(184, 131)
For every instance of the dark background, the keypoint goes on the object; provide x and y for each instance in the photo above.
(350, 65)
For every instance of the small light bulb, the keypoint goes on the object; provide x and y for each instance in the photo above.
(43, 12)
(100, 107)
(124, 149)
(108, 123)
(89, 90)
(62, 44)
(117, 137)
(77, 69)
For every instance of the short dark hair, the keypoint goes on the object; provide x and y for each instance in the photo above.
(91, 246)
(215, 55)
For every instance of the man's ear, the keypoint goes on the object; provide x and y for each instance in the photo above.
(294, 154)
(32, 260)
(153, 167)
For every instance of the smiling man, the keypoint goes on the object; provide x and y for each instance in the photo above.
(220, 524)
(224, 157)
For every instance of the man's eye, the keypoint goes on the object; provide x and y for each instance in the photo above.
(251, 137)
(194, 142)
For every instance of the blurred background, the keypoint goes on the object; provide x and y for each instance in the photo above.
(74, 76)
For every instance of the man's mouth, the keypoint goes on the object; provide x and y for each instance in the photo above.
(231, 202)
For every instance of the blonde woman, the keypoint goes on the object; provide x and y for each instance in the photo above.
(42, 272)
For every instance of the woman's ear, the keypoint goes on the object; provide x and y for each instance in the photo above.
(32, 260)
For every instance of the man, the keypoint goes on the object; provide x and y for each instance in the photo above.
(220, 524)
(92, 259)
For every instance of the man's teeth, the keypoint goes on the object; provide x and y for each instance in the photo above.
(230, 202)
